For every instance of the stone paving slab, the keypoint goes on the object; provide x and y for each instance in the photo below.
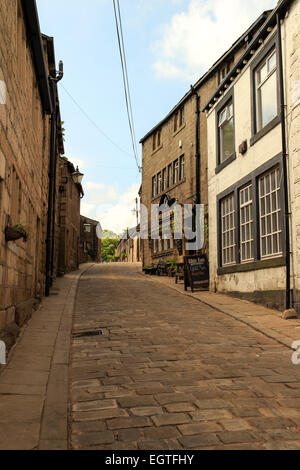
(34, 384)
(173, 372)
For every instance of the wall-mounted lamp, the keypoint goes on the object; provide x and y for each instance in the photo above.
(77, 176)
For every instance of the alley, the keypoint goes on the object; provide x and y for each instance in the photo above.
(170, 372)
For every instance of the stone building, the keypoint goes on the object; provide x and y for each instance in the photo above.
(26, 106)
(129, 247)
(175, 152)
(90, 243)
(253, 167)
(70, 194)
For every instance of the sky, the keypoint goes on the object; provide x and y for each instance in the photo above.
(169, 45)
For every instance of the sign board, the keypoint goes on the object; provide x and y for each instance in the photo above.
(196, 272)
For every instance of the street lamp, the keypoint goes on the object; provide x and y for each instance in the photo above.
(77, 176)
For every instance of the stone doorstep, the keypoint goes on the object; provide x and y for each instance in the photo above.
(222, 303)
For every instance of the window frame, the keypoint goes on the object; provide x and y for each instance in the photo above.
(221, 106)
(258, 261)
(179, 120)
(182, 167)
(254, 67)
(176, 173)
(154, 185)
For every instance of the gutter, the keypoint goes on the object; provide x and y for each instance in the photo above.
(198, 154)
(35, 40)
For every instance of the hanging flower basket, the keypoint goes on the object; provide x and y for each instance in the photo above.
(16, 233)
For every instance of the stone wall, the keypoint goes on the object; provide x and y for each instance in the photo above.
(24, 157)
(69, 221)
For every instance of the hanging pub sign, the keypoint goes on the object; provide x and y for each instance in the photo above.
(196, 272)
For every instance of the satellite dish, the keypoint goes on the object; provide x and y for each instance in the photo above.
(99, 231)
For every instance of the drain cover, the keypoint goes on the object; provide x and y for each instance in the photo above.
(86, 334)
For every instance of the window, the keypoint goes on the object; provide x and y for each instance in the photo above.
(164, 180)
(246, 224)
(269, 212)
(222, 74)
(176, 172)
(159, 183)
(179, 119)
(182, 174)
(87, 228)
(226, 132)
(170, 176)
(156, 140)
(266, 91)
(154, 186)
(255, 239)
(228, 230)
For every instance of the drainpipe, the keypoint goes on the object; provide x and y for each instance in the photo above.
(52, 183)
(285, 169)
(198, 154)
(50, 195)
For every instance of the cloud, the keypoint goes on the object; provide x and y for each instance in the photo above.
(194, 39)
(111, 208)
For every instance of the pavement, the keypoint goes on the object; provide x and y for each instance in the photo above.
(170, 370)
(34, 387)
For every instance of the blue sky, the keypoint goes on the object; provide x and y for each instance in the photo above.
(169, 44)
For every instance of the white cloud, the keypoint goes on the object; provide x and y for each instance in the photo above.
(196, 38)
(111, 208)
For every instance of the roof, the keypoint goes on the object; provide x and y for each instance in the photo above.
(235, 46)
(256, 42)
(35, 40)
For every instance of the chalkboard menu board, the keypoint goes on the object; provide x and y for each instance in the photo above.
(196, 272)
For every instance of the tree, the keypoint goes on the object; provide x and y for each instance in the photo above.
(108, 247)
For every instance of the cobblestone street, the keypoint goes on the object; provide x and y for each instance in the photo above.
(171, 372)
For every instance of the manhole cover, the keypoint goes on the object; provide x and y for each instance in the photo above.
(86, 334)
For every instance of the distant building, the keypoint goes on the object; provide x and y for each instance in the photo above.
(70, 194)
(129, 247)
(90, 243)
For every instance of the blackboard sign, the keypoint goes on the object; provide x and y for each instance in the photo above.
(196, 272)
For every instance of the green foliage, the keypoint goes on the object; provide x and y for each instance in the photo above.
(108, 247)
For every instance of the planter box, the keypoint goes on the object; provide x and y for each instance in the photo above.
(13, 234)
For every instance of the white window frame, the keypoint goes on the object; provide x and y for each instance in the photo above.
(246, 222)
(267, 217)
(225, 116)
(182, 168)
(258, 86)
(154, 186)
(228, 230)
(176, 172)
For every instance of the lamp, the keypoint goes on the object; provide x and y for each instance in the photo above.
(77, 176)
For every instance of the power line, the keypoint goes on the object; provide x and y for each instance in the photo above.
(93, 122)
(120, 36)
